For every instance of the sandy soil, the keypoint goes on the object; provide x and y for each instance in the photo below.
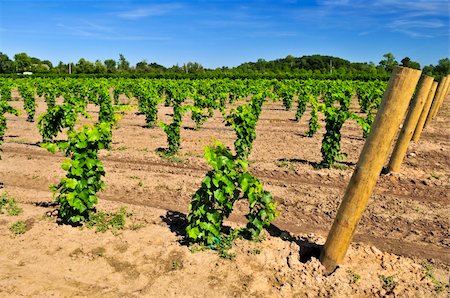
(406, 222)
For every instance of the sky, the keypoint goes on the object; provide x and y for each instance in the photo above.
(225, 33)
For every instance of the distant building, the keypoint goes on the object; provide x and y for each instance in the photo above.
(27, 73)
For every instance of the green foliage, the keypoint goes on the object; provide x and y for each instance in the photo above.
(286, 91)
(370, 95)
(10, 205)
(199, 115)
(244, 119)
(222, 186)
(429, 273)
(57, 118)
(18, 228)
(5, 108)
(27, 91)
(314, 120)
(173, 129)
(336, 110)
(331, 142)
(77, 191)
(104, 221)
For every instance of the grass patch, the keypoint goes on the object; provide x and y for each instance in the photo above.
(10, 205)
(18, 228)
(104, 221)
(136, 226)
(429, 273)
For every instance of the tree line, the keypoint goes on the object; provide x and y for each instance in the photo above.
(313, 66)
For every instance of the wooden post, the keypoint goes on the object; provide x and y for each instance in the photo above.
(440, 92)
(424, 114)
(416, 107)
(374, 153)
(441, 100)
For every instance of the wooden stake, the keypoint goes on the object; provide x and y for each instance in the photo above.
(375, 152)
(416, 107)
(444, 95)
(424, 114)
(440, 92)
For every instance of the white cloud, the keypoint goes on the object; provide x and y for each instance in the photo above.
(147, 11)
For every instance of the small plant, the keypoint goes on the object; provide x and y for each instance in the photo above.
(104, 221)
(314, 120)
(387, 282)
(256, 251)
(354, 277)
(177, 264)
(226, 183)
(18, 228)
(77, 191)
(98, 251)
(5, 108)
(285, 164)
(27, 91)
(429, 273)
(173, 130)
(134, 226)
(10, 205)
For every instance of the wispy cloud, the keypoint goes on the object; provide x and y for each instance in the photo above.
(87, 29)
(148, 11)
(419, 18)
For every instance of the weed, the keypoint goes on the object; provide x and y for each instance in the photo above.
(18, 228)
(286, 165)
(177, 264)
(165, 154)
(98, 251)
(388, 282)
(354, 277)
(256, 251)
(224, 243)
(136, 226)
(9, 204)
(429, 272)
(103, 221)
(121, 148)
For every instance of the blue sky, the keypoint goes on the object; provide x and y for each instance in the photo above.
(225, 33)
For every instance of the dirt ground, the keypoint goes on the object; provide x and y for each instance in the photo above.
(406, 223)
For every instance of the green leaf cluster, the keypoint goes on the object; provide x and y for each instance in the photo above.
(28, 91)
(77, 191)
(5, 107)
(227, 182)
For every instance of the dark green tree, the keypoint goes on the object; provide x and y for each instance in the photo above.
(389, 62)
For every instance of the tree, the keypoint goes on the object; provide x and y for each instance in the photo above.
(142, 66)
(23, 62)
(99, 67)
(6, 64)
(110, 65)
(407, 62)
(84, 66)
(389, 62)
(443, 67)
(123, 64)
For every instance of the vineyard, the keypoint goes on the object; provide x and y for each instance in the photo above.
(244, 173)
